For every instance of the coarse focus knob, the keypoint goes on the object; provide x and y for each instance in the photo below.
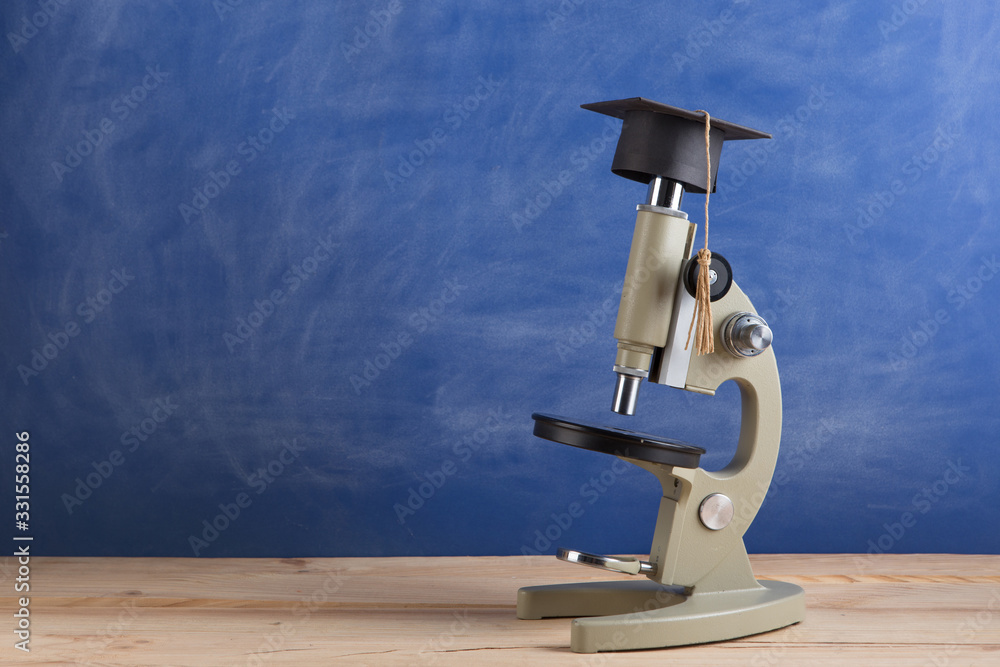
(746, 335)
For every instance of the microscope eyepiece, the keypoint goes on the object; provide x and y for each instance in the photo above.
(665, 193)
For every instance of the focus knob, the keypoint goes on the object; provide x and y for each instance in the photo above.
(720, 277)
(746, 335)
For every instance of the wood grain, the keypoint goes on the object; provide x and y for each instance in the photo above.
(885, 610)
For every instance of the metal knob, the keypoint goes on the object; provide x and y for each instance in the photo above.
(716, 511)
(746, 335)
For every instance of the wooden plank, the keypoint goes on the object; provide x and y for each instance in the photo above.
(405, 579)
(174, 637)
(925, 609)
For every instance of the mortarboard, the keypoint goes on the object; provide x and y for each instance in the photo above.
(661, 140)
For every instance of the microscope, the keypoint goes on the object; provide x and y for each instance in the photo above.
(697, 585)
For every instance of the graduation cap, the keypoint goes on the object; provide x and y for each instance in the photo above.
(669, 142)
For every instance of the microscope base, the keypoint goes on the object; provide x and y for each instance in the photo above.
(669, 617)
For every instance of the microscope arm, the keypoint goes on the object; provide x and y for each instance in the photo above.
(744, 481)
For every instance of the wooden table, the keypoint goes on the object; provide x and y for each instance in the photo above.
(929, 610)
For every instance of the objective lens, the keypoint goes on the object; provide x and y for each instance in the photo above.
(626, 393)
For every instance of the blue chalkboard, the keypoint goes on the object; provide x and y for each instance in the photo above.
(289, 280)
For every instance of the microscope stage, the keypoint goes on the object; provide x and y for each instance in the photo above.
(617, 441)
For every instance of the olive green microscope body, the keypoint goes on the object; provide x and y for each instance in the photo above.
(697, 585)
